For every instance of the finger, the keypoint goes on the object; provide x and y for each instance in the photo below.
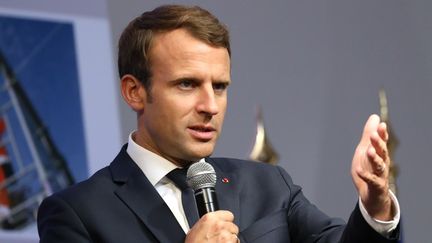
(372, 180)
(226, 237)
(237, 238)
(211, 226)
(380, 146)
(376, 162)
(223, 232)
(225, 215)
(219, 226)
(383, 132)
(220, 215)
(370, 127)
(229, 227)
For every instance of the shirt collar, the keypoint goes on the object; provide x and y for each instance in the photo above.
(154, 167)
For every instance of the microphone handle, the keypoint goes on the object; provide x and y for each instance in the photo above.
(206, 200)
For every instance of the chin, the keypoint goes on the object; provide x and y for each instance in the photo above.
(194, 152)
(202, 153)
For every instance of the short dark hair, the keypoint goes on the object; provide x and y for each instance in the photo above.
(136, 40)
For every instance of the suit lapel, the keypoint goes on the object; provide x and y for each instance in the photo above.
(141, 197)
(227, 189)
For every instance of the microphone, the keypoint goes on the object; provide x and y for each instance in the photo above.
(201, 176)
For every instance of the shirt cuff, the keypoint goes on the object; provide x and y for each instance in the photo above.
(385, 228)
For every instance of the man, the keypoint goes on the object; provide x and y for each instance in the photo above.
(174, 64)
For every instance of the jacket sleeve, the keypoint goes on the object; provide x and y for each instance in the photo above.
(358, 229)
(58, 222)
(309, 224)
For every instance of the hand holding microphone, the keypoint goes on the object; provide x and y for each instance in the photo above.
(214, 225)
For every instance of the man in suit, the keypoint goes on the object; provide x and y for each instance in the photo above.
(174, 64)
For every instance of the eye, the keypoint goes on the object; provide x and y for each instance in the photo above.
(220, 87)
(186, 84)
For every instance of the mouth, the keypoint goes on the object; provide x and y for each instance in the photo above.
(202, 132)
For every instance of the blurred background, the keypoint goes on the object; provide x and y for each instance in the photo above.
(314, 67)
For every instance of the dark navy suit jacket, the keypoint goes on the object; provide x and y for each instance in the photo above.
(119, 204)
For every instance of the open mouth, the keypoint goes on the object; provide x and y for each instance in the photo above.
(204, 133)
(203, 128)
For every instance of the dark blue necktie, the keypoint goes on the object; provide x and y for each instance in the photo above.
(178, 176)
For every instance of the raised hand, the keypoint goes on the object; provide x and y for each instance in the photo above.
(370, 169)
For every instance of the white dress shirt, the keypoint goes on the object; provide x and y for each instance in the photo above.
(155, 168)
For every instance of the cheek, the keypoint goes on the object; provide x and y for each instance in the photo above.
(173, 112)
(220, 119)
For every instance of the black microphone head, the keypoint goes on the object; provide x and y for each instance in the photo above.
(201, 175)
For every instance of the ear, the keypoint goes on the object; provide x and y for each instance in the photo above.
(133, 92)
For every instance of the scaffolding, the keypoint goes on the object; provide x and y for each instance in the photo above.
(31, 167)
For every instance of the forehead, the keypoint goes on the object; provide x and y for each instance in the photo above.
(178, 49)
(176, 38)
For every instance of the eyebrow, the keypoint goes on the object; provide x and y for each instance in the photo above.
(198, 80)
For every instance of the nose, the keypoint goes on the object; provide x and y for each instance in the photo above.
(207, 103)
